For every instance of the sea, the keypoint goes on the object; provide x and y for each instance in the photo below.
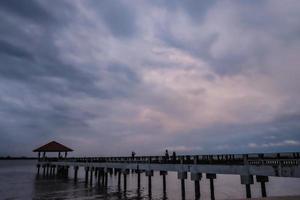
(19, 180)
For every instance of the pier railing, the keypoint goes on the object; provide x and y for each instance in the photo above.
(284, 159)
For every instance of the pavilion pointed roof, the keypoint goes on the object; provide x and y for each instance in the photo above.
(53, 147)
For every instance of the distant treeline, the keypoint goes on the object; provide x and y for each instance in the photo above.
(17, 158)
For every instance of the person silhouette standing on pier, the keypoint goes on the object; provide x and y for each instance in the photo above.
(167, 154)
(132, 154)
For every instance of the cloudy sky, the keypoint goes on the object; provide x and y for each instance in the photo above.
(108, 77)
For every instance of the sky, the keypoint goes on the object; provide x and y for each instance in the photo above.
(110, 77)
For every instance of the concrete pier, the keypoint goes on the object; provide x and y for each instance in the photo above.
(246, 165)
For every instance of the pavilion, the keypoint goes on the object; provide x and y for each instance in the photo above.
(52, 147)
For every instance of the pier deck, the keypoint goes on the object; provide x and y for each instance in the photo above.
(246, 165)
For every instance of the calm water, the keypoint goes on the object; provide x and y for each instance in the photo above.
(18, 181)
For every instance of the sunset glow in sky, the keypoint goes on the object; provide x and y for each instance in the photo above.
(109, 77)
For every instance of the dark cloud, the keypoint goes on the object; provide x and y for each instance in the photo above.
(119, 17)
(12, 50)
(193, 8)
(64, 77)
(31, 10)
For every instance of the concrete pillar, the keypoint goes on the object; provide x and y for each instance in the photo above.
(163, 174)
(86, 175)
(96, 172)
(247, 180)
(44, 170)
(47, 170)
(105, 177)
(54, 170)
(75, 173)
(38, 169)
(51, 170)
(182, 176)
(125, 173)
(119, 178)
(211, 178)
(138, 179)
(98, 176)
(91, 175)
(66, 175)
(149, 173)
(262, 180)
(57, 171)
(196, 177)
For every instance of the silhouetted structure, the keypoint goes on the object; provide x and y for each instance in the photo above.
(52, 147)
(261, 165)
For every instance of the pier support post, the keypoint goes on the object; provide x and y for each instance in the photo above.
(163, 174)
(149, 173)
(262, 180)
(196, 177)
(91, 175)
(138, 172)
(47, 170)
(96, 172)
(38, 169)
(86, 175)
(182, 176)
(52, 170)
(125, 173)
(75, 173)
(98, 175)
(44, 170)
(211, 178)
(66, 171)
(119, 178)
(106, 170)
(247, 180)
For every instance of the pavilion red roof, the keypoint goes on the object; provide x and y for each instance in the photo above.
(53, 147)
